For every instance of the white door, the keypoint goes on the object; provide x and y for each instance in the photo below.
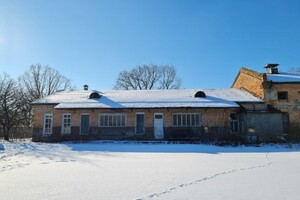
(158, 126)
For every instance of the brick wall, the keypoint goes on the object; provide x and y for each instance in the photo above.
(209, 118)
(250, 81)
(291, 105)
(256, 84)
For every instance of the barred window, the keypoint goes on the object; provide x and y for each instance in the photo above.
(66, 124)
(186, 119)
(112, 120)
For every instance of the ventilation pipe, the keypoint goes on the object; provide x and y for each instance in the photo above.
(271, 68)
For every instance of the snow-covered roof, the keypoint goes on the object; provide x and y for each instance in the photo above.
(148, 99)
(284, 77)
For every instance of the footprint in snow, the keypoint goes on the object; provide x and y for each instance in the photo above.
(208, 178)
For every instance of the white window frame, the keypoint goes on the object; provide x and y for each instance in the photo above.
(112, 120)
(184, 123)
(63, 128)
(45, 130)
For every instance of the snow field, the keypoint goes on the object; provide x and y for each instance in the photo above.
(147, 171)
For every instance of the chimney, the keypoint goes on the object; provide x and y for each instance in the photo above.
(271, 68)
(85, 87)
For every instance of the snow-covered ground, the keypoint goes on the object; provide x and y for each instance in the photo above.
(116, 170)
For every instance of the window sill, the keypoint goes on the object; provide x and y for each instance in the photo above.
(47, 134)
(65, 133)
(282, 100)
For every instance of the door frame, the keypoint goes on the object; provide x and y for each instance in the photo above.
(162, 128)
(88, 114)
(139, 113)
(44, 123)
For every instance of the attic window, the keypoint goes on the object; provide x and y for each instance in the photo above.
(95, 95)
(282, 95)
(200, 94)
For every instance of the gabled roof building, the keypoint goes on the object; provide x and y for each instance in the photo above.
(281, 90)
(193, 114)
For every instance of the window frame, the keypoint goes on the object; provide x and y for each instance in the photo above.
(112, 120)
(63, 127)
(88, 128)
(281, 93)
(234, 123)
(186, 120)
(51, 124)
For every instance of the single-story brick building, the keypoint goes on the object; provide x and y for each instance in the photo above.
(153, 114)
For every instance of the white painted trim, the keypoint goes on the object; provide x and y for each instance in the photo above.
(112, 114)
(187, 113)
(62, 123)
(158, 114)
(154, 114)
(44, 120)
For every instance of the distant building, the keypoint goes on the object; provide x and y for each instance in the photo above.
(204, 115)
(278, 89)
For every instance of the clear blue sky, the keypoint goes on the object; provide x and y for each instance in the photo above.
(91, 41)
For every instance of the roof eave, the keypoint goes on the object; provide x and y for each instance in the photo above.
(181, 107)
(286, 82)
(33, 103)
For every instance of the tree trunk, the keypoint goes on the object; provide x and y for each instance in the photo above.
(6, 134)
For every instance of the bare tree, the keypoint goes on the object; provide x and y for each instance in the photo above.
(42, 81)
(296, 70)
(147, 77)
(169, 79)
(25, 112)
(10, 105)
(36, 83)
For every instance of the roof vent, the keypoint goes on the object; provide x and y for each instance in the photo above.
(85, 87)
(271, 68)
(95, 95)
(200, 94)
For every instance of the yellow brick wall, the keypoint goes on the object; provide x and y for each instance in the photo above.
(250, 81)
(210, 117)
(253, 81)
(291, 106)
(293, 96)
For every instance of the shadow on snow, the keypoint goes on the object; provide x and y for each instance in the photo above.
(177, 148)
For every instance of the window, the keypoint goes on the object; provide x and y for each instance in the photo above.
(66, 124)
(200, 94)
(95, 95)
(186, 119)
(47, 129)
(112, 120)
(234, 123)
(283, 96)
